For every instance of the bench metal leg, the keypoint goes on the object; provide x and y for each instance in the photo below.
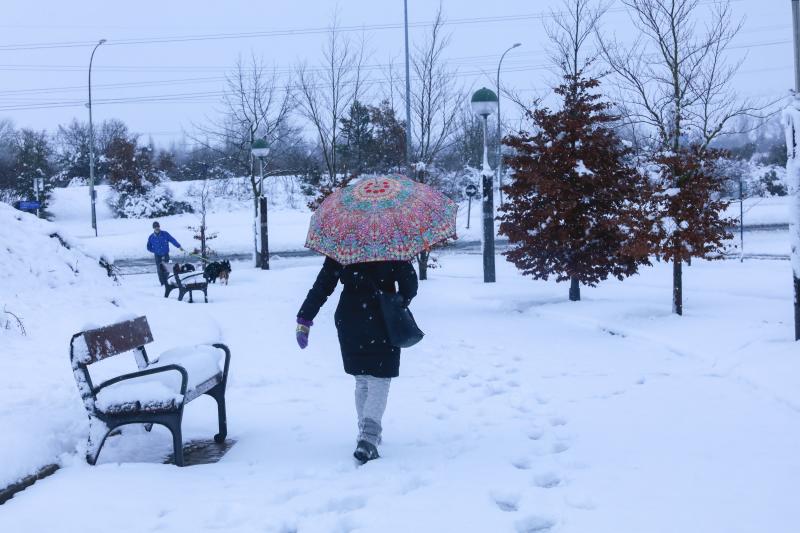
(177, 441)
(218, 393)
(205, 294)
(98, 432)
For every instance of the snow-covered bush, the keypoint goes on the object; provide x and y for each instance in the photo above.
(772, 184)
(156, 201)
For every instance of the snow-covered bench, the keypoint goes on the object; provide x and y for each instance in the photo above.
(157, 393)
(185, 282)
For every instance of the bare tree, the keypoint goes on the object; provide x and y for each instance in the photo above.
(435, 102)
(325, 94)
(674, 78)
(255, 105)
(570, 30)
(675, 87)
(201, 198)
(435, 107)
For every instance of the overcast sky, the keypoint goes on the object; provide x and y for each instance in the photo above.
(165, 87)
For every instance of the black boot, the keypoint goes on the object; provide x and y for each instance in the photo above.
(365, 451)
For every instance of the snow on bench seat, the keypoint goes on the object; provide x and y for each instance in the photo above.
(204, 365)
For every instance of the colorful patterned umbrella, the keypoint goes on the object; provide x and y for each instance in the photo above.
(387, 218)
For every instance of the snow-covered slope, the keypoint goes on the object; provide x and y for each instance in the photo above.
(54, 291)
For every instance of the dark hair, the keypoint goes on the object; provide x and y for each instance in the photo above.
(155, 224)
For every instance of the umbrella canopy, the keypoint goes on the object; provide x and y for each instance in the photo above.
(387, 218)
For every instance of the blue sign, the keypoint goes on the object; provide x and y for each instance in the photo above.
(27, 205)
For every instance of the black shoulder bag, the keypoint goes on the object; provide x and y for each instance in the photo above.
(401, 327)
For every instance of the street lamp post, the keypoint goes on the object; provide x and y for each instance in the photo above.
(260, 150)
(92, 194)
(499, 132)
(408, 94)
(484, 103)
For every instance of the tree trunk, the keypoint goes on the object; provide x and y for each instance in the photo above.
(422, 261)
(574, 290)
(677, 287)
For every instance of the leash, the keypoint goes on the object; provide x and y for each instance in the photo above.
(200, 257)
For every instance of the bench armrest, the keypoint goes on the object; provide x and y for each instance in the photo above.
(147, 372)
(227, 351)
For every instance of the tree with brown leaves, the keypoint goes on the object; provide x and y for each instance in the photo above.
(577, 209)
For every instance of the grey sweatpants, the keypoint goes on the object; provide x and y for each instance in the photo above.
(371, 396)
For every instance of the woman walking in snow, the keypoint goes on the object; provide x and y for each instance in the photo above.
(369, 232)
(366, 351)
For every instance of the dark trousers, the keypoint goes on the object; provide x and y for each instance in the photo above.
(161, 268)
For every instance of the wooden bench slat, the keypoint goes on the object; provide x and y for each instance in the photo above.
(117, 338)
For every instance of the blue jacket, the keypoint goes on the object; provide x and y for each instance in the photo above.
(159, 243)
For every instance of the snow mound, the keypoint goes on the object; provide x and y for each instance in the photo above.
(49, 288)
(35, 253)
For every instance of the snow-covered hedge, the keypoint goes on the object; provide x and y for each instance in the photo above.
(157, 201)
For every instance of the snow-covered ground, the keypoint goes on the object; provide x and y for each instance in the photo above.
(519, 411)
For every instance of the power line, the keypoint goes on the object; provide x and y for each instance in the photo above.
(298, 32)
(463, 60)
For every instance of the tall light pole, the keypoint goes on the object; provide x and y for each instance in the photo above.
(92, 194)
(499, 133)
(260, 149)
(484, 103)
(791, 121)
(408, 95)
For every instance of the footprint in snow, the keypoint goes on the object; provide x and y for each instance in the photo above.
(459, 374)
(534, 524)
(535, 433)
(558, 421)
(507, 502)
(521, 463)
(559, 447)
(546, 480)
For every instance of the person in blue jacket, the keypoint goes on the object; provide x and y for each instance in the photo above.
(158, 244)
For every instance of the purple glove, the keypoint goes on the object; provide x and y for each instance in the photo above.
(302, 331)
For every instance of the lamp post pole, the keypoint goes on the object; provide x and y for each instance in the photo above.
(791, 120)
(484, 103)
(408, 95)
(260, 149)
(92, 194)
(488, 209)
(499, 132)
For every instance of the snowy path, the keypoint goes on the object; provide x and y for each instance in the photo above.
(519, 412)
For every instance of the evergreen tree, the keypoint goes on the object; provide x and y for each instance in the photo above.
(32, 161)
(356, 149)
(7, 150)
(389, 137)
(577, 209)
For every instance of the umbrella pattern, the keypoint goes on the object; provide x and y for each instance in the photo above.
(386, 218)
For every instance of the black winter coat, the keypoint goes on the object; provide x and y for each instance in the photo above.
(359, 322)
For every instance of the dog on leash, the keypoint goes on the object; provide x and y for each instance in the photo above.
(217, 270)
